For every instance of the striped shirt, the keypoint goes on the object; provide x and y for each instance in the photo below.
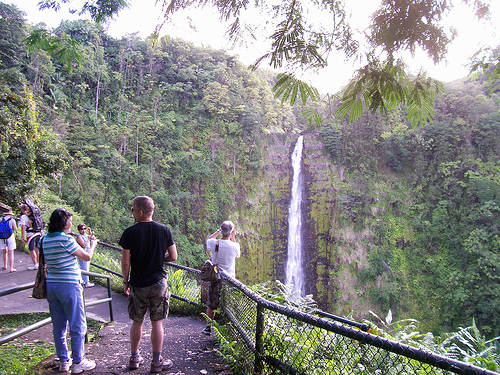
(58, 249)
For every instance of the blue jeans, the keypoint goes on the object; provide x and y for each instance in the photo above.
(66, 306)
(85, 267)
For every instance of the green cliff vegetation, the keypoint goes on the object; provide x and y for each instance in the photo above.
(418, 212)
(396, 217)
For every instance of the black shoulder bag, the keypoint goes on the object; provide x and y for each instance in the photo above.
(40, 287)
(210, 271)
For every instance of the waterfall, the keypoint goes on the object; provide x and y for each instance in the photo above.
(294, 269)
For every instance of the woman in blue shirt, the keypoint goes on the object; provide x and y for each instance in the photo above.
(64, 291)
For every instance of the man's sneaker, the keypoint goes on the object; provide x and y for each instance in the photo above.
(135, 362)
(88, 284)
(65, 366)
(207, 331)
(33, 267)
(84, 365)
(163, 365)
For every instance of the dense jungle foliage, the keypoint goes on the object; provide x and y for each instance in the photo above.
(132, 120)
(189, 126)
(430, 198)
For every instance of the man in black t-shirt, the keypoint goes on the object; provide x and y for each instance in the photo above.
(145, 246)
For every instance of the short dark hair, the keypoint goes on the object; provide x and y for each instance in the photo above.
(81, 226)
(145, 204)
(58, 220)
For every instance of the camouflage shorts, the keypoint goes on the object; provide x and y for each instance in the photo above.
(214, 294)
(155, 296)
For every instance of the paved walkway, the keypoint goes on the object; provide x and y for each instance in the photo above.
(24, 303)
(191, 352)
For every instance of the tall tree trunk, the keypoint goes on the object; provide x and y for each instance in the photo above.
(151, 166)
(137, 147)
(97, 92)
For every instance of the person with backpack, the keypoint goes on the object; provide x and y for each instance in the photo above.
(224, 255)
(8, 240)
(30, 235)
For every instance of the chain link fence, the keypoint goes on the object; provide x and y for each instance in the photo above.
(272, 339)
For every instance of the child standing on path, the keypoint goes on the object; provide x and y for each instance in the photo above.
(29, 236)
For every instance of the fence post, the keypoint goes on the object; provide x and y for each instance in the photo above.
(259, 331)
(111, 317)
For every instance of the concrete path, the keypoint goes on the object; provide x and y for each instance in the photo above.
(191, 352)
(22, 302)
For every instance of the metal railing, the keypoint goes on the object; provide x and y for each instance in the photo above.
(39, 324)
(109, 299)
(275, 339)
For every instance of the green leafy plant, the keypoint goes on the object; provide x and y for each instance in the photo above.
(469, 345)
(466, 345)
(382, 86)
(185, 287)
(233, 351)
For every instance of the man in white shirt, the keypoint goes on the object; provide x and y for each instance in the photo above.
(229, 250)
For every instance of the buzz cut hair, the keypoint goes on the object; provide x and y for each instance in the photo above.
(145, 204)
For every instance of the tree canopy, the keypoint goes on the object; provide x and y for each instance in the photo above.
(301, 40)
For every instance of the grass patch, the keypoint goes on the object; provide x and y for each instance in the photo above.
(12, 322)
(19, 357)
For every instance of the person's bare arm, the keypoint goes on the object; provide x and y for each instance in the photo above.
(214, 234)
(171, 255)
(86, 256)
(81, 242)
(126, 270)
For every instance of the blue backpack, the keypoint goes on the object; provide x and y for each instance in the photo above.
(5, 229)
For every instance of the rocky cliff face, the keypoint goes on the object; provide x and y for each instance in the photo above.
(263, 217)
(332, 254)
(321, 189)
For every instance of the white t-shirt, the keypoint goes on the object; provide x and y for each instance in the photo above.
(25, 221)
(228, 252)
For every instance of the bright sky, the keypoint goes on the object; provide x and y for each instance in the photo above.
(203, 28)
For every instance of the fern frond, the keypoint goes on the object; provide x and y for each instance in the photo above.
(288, 88)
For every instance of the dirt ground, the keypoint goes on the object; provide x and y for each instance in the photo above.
(191, 351)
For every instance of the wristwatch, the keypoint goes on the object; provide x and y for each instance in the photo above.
(125, 282)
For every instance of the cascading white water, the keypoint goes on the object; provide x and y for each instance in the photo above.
(294, 273)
